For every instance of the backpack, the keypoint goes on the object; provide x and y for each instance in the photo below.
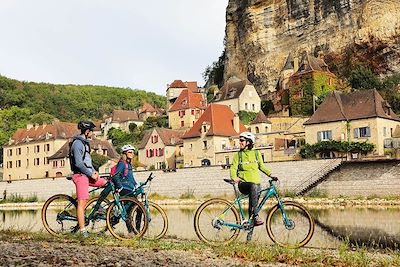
(72, 164)
(113, 170)
(241, 158)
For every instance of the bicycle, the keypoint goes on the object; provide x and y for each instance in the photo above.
(59, 214)
(157, 217)
(219, 221)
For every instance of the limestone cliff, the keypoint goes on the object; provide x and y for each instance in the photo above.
(261, 33)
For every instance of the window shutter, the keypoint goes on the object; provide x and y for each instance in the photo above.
(356, 133)
(318, 136)
(147, 153)
(330, 135)
(368, 131)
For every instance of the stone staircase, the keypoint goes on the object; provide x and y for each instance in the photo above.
(316, 176)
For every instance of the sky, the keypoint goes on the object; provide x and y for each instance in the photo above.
(122, 43)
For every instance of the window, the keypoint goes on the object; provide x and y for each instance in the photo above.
(204, 128)
(62, 163)
(27, 163)
(161, 152)
(182, 123)
(254, 106)
(384, 132)
(47, 147)
(192, 111)
(362, 132)
(223, 144)
(37, 149)
(9, 164)
(55, 164)
(257, 130)
(19, 151)
(246, 106)
(154, 139)
(191, 146)
(27, 150)
(204, 144)
(27, 176)
(324, 135)
(36, 162)
(9, 152)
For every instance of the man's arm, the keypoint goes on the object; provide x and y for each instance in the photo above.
(78, 149)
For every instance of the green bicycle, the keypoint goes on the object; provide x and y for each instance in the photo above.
(219, 221)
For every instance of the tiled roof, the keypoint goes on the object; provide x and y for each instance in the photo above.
(56, 130)
(147, 108)
(124, 115)
(177, 84)
(220, 120)
(231, 90)
(356, 105)
(168, 136)
(261, 118)
(94, 144)
(187, 100)
(310, 63)
(192, 86)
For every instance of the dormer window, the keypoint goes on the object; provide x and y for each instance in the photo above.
(184, 102)
(231, 93)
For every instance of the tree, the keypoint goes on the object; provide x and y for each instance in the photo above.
(152, 122)
(267, 106)
(246, 116)
(98, 160)
(214, 74)
(41, 118)
(362, 78)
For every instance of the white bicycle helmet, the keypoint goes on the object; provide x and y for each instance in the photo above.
(126, 148)
(248, 136)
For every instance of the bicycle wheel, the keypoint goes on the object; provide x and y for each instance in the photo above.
(59, 215)
(158, 222)
(210, 222)
(97, 222)
(299, 229)
(127, 219)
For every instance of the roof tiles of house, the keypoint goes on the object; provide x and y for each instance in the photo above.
(188, 99)
(177, 84)
(310, 63)
(219, 118)
(124, 115)
(261, 118)
(192, 86)
(147, 108)
(352, 106)
(231, 90)
(94, 144)
(169, 137)
(56, 130)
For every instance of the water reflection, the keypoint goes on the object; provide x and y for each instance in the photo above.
(361, 226)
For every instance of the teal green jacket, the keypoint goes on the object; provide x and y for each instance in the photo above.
(248, 171)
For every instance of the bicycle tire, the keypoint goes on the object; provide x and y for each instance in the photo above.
(126, 229)
(60, 211)
(97, 224)
(158, 223)
(206, 219)
(286, 236)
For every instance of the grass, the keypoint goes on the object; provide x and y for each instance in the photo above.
(189, 194)
(343, 256)
(18, 198)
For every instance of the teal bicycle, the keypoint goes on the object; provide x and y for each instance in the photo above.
(124, 217)
(156, 216)
(219, 221)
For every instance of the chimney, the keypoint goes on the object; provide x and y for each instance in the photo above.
(236, 123)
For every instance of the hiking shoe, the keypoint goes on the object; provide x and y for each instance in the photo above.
(84, 234)
(258, 221)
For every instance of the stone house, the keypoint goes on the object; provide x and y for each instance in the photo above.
(160, 148)
(26, 155)
(148, 110)
(310, 83)
(120, 119)
(59, 161)
(355, 117)
(186, 110)
(239, 96)
(211, 133)
(176, 87)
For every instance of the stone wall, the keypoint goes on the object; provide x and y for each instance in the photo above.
(380, 178)
(371, 178)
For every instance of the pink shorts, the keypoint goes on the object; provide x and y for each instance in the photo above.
(82, 185)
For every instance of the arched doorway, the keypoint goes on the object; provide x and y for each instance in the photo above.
(205, 162)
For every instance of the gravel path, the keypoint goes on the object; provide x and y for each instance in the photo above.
(41, 253)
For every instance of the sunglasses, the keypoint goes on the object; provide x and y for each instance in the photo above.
(129, 152)
(242, 140)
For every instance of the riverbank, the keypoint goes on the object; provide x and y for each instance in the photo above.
(39, 249)
(309, 202)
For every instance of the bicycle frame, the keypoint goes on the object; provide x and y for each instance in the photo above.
(268, 193)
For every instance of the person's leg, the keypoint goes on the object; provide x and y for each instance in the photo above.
(253, 198)
(82, 194)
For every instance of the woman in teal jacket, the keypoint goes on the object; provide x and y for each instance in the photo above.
(245, 171)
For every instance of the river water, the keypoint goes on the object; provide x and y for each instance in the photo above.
(372, 227)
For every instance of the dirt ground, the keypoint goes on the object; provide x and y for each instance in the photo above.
(42, 253)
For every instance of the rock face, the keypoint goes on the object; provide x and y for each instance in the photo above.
(260, 34)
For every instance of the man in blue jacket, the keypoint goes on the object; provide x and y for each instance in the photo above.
(84, 173)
